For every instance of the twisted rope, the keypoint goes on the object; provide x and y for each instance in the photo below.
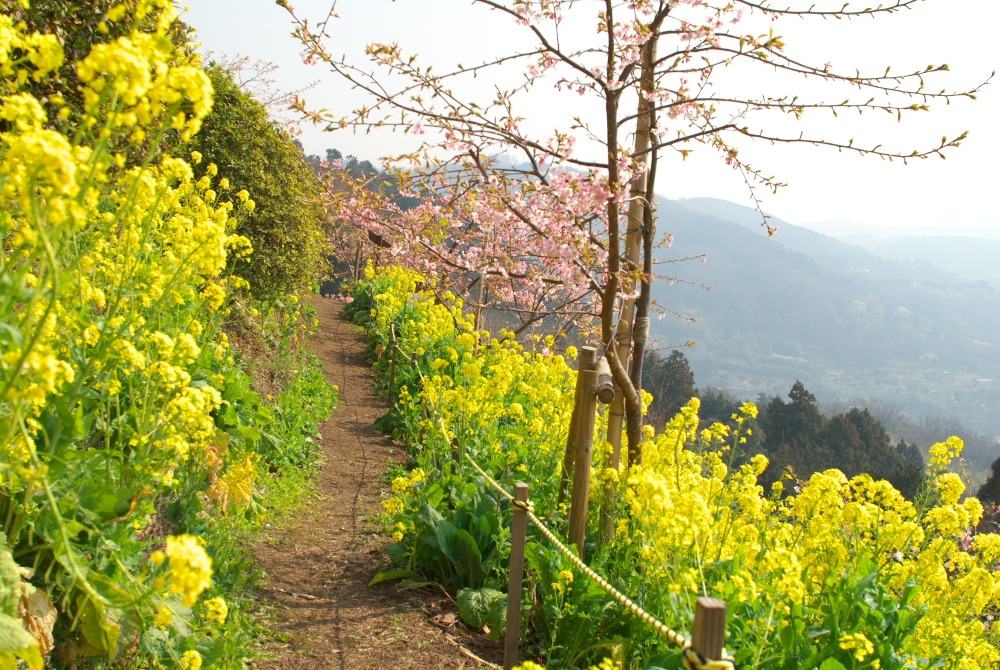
(692, 659)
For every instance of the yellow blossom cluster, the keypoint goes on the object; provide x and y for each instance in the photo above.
(701, 530)
(94, 253)
(475, 388)
(191, 660)
(216, 610)
(190, 568)
(846, 569)
(112, 295)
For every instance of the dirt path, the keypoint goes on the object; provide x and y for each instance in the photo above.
(319, 566)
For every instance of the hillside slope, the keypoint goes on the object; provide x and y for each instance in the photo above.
(850, 325)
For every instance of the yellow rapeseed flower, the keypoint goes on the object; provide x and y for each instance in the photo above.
(190, 567)
(191, 660)
(216, 610)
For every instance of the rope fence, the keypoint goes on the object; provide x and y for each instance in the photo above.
(702, 651)
(694, 655)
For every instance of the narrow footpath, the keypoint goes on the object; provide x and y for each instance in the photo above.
(318, 565)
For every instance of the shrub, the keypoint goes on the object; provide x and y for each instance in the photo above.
(286, 224)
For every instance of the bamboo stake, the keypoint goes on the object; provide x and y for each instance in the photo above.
(518, 530)
(605, 382)
(631, 263)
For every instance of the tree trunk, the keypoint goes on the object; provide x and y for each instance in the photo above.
(627, 405)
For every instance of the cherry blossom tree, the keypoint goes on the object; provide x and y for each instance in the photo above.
(563, 222)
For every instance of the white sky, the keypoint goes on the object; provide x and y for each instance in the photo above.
(824, 185)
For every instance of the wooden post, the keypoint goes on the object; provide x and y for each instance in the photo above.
(356, 271)
(392, 365)
(518, 529)
(609, 500)
(609, 496)
(569, 457)
(478, 311)
(584, 448)
(587, 354)
(708, 634)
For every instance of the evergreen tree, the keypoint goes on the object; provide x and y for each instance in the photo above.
(792, 435)
(718, 406)
(671, 383)
(989, 492)
(255, 154)
(871, 452)
(908, 474)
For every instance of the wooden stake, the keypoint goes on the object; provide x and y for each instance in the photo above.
(708, 634)
(569, 457)
(392, 365)
(518, 530)
(609, 499)
(584, 448)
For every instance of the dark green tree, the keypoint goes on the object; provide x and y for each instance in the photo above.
(908, 475)
(792, 435)
(718, 405)
(287, 227)
(841, 446)
(989, 495)
(671, 383)
(869, 449)
(796, 423)
(798, 437)
(989, 492)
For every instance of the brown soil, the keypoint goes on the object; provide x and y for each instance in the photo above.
(318, 564)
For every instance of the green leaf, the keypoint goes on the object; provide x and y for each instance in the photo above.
(111, 591)
(10, 580)
(106, 503)
(248, 433)
(389, 575)
(226, 415)
(670, 661)
(484, 607)
(444, 534)
(468, 559)
(98, 630)
(15, 641)
(831, 664)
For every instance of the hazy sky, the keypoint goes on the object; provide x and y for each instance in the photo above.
(823, 185)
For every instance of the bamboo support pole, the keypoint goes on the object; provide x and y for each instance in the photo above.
(622, 345)
(605, 382)
(518, 531)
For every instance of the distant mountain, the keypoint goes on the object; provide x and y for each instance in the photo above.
(845, 228)
(849, 324)
(840, 251)
(970, 258)
(969, 251)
